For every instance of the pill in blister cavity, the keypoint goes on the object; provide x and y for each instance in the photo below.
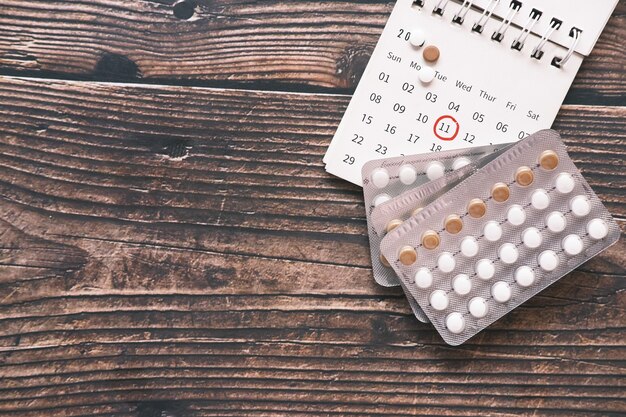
(508, 253)
(435, 170)
(407, 255)
(500, 192)
(516, 215)
(485, 269)
(455, 322)
(417, 210)
(427, 74)
(565, 183)
(477, 208)
(460, 163)
(524, 176)
(532, 238)
(501, 292)
(380, 199)
(430, 240)
(524, 276)
(549, 160)
(431, 54)
(423, 278)
(469, 247)
(393, 224)
(572, 245)
(556, 222)
(380, 177)
(384, 261)
(540, 199)
(453, 224)
(548, 260)
(439, 300)
(580, 206)
(461, 284)
(492, 231)
(407, 174)
(446, 262)
(597, 229)
(478, 307)
(418, 37)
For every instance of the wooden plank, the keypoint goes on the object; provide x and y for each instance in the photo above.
(295, 45)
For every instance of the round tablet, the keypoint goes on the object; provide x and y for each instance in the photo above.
(477, 208)
(431, 54)
(572, 245)
(548, 160)
(532, 238)
(417, 210)
(435, 170)
(478, 307)
(380, 178)
(524, 276)
(418, 37)
(427, 75)
(384, 261)
(564, 183)
(430, 239)
(556, 222)
(407, 255)
(501, 292)
(580, 206)
(461, 284)
(508, 253)
(439, 300)
(485, 269)
(469, 246)
(453, 224)
(492, 231)
(548, 260)
(597, 229)
(446, 262)
(423, 278)
(540, 199)
(500, 192)
(460, 163)
(524, 176)
(516, 215)
(455, 323)
(381, 198)
(407, 174)
(393, 224)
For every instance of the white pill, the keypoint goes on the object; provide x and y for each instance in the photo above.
(427, 75)
(418, 37)
(439, 300)
(492, 231)
(540, 199)
(423, 278)
(565, 183)
(455, 323)
(501, 292)
(516, 215)
(485, 269)
(460, 163)
(524, 276)
(380, 178)
(408, 174)
(508, 253)
(446, 262)
(461, 284)
(572, 245)
(478, 307)
(597, 229)
(556, 222)
(532, 238)
(435, 170)
(469, 246)
(548, 260)
(580, 206)
(380, 199)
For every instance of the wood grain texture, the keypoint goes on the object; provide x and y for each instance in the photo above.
(294, 45)
(175, 251)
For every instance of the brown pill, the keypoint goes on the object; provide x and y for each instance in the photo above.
(524, 176)
(393, 224)
(477, 208)
(453, 224)
(548, 160)
(384, 261)
(417, 210)
(430, 240)
(500, 192)
(431, 54)
(407, 255)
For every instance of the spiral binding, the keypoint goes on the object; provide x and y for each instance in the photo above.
(575, 34)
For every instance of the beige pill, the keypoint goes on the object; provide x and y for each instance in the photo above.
(453, 224)
(384, 261)
(430, 239)
(500, 192)
(477, 208)
(407, 255)
(431, 54)
(417, 210)
(393, 224)
(548, 160)
(524, 176)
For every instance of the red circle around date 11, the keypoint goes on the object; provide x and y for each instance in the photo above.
(446, 128)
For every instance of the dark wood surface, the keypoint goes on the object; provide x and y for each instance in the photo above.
(169, 247)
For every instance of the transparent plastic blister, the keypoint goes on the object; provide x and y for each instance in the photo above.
(499, 237)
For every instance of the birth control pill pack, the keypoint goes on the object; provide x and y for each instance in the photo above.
(500, 236)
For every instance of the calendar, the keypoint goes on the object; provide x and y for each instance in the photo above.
(456, 74)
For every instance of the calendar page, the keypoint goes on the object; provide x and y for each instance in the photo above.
(447, 75)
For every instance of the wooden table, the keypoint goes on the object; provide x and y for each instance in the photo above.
(170, 244)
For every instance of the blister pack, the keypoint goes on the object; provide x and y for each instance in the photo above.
(509, 230)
